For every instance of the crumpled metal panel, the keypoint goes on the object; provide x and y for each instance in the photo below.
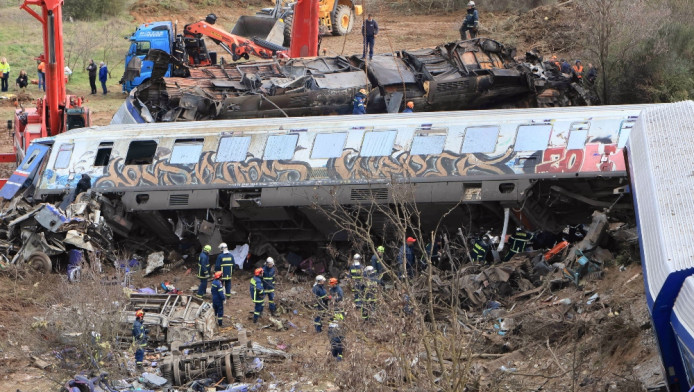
(389, 70)
(341, 80)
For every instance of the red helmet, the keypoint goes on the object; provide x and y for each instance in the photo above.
(258, 272)
(139, 313)
(332, 281)
(218, 274)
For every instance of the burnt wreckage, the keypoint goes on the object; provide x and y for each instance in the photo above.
(478, 73)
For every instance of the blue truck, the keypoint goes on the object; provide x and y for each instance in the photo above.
(156, 35)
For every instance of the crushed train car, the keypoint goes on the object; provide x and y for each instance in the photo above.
(478, 73)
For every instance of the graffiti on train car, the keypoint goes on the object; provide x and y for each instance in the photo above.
(594, 157)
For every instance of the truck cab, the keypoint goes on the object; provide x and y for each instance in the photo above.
(155, 35)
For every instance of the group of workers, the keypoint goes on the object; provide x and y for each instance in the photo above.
(576, 71)
(359, 103)
(518, 242)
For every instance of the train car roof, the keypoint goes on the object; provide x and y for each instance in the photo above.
(287, 123)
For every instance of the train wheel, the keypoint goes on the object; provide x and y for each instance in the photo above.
(39, 262)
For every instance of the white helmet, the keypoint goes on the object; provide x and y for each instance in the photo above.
(471, 4)
(369, 269)
(270, 261)
(332, 325)
(320, 279)
(223, 245)
(357, 257)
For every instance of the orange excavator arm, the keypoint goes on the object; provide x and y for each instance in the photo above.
(238, 47)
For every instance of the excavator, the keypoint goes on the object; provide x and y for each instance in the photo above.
(54, 113)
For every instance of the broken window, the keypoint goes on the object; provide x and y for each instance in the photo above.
(141, 152)
(378, 144)
(28, 161)
(480, 139)
(328, 145)
(62, 161)
(186, 151)
(577, 139)
(533, 137)
(280, 147)
(624, 132)
(142, 48)
(233, 149)
(103, 154)
(427, 144)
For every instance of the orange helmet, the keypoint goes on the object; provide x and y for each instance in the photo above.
(218, 274)
(139, 313)
(410, 104)
(258, 271)
(332, 281)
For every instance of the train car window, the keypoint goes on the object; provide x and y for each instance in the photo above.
(532, 137)
(624, 132)
(103, 154)
(233, 148)
(480, 139)
(426, 145)
(186, 151)
(280, 147)
(328, 145)
(141, 152)
(378, 143)
(577, 140)
(30, 160)
(62, 161)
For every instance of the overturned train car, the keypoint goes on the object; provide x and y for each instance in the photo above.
(479, 73)
(265, 177)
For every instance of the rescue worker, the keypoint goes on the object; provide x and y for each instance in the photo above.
(369, 30)
(518, 242)
(356, 274)
(139, 337)
(577, 70)
(565, 67)
(359, 102)
(471, 22)
(218, 297)
(481, 249)
(406, 258)
(225, 263)
(336, 340)
(269, 272)
(592, 74)
(321, 302)
(556, 62)
(203, 270)
(377, 262)
(371, 286)
(336, 295)
(409, 107)
(257, 293)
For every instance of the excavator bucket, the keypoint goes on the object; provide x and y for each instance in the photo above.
(260, 27)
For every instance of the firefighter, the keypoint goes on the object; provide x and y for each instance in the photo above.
(471, 22)
(377, 262)
(139, 338)
(518, 242)
(225, 263)
(218, 297)
(336, 295)
(257, 293)
(203, 270)
(481, 249)
(409, 107)
(269, 272)
(356, 274)
(371, 286)
(359, 102)
(336, 340)
(321, 302)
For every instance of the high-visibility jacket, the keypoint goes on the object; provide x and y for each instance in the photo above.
(203, 265)
(269, 279)
(224, 263)
(578, 70)
(257, 293)
(4, 68)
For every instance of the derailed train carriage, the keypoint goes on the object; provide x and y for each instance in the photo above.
(228, 180)
(478, 73)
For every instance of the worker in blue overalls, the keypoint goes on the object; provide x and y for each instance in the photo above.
(139, 337)
(370, 289)
(356, 274)
(518, 242)
(269, 272)
(218, 297)
(321, 302)
(257, 293)
(225, 263)
(203, 270)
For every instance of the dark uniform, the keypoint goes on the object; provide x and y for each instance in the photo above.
(357, 275)
(480, 250)
(336, 341)
(517, 243)
(470, 23)
(140, 340)
(203, 272)
(321, 305)
(337, 295)
(377, 263)
(406, 255)
(371, 287)
(269, 286)
(225, 263)
(359, 104)
(218, 300)
(369, 30)
(257, 296)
